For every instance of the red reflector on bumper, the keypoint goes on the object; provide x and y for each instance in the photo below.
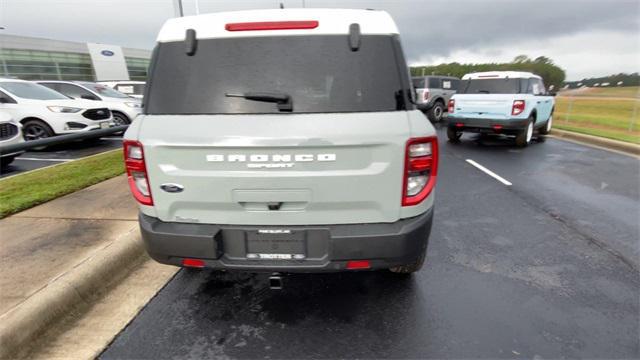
(497, 127)
(459, 124)
(194, 263)
(358, 264)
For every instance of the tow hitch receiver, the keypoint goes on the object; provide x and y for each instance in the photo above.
(275, 281)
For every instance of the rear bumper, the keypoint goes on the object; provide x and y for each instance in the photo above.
(327, 247)
(487, 125)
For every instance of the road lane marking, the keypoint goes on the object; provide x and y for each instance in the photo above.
(38, 159)
(489, 172)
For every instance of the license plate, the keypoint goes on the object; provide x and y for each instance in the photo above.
(104, 125)
(276, 246)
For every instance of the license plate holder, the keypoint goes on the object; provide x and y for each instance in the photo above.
(276, 244)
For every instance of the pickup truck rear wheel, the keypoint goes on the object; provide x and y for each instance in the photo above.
(435, 113)
(453, 135)
(410, 268)
(524, 137)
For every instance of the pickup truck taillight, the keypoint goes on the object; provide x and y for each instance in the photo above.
(420, 169)
(137, 172)
(451, 106)
(518, 107)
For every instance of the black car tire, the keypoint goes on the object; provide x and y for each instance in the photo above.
(453, 135)
(547, 126)
(525, 135)
(120, 119)
(436, 112)
(36, 129)
(6, 161)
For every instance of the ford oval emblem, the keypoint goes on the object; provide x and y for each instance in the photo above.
(107, 52)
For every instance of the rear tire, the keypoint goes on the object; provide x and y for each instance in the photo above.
(410, 268)
(6, 161)
(436, 112)
(453, 135)
(547, 127)
(524, 137)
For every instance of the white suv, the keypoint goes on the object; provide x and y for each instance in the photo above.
(283, 140)
(124, 107)
(44, 112)
(10, 133)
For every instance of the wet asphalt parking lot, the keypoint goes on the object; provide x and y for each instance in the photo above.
(546, 267)
(36, 159)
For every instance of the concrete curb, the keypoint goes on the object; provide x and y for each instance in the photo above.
(621, 146)
(70, 292)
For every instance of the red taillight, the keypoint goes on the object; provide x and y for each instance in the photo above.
(420, 169)
(518, 107)
(272, 25)
(137, 172)
(497, 127)
(452, 106)
(194, 263)
(425, 95)
(358, 264)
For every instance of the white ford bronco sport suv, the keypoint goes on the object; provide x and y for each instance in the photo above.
(282, 141)
(501, 102)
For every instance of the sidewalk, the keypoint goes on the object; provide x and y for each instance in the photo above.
(61, 261)
(40, 244)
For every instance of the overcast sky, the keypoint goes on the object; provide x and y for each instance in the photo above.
(587, 38)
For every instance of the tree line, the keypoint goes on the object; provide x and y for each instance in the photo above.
(543, 66)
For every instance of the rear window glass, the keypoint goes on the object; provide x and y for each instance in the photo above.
(369, 79)
(490, 86)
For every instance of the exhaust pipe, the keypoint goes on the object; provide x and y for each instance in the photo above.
(275, 281)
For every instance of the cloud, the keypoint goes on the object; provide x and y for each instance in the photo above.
(577, 34)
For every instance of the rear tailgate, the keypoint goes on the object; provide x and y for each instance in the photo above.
(294, 169)
(483, 106)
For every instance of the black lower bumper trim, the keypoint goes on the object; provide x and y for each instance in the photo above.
(327, 247)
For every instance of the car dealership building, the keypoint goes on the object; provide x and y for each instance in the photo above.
(32, 58)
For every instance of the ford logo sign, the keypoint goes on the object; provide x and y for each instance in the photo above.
(107, 52)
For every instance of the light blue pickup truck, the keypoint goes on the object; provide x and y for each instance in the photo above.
(501, 102)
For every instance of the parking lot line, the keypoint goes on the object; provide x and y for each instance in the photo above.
(489, 172)
(39, 159)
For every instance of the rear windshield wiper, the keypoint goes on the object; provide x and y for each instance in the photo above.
(283, 100)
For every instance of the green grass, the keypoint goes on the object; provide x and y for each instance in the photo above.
(23, 191)
(610, 118)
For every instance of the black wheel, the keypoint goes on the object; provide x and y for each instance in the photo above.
(436, 112)
(453, 135)
(410, 268)
(6, 161)
(524, 137)
(547, 127)
(36, 129)
(120, 119)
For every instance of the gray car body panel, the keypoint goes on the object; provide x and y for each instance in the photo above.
(363, 184)
(435, 93)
